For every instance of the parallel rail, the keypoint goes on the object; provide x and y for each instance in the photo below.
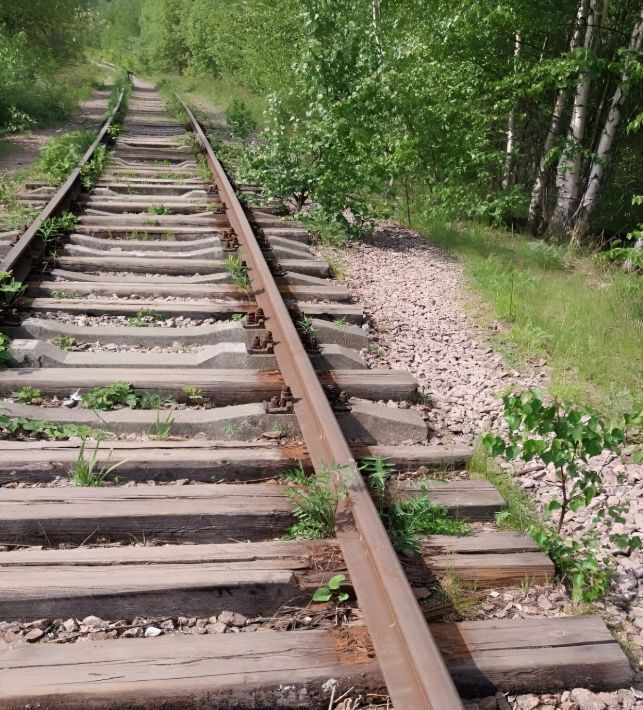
(411, 663)
(174, 265)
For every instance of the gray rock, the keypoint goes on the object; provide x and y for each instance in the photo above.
(586, 700)
(152, 631)
(527, 702)
(34, 635)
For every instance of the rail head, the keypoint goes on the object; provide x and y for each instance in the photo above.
(413, 668)
(19, 252)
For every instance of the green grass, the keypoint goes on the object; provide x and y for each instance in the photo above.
(586, 319)
(218, 92)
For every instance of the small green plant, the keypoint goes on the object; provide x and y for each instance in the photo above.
(114, 130)
(153, 400)
(566, 439)
(91, 171)
(230, 429)
(65, 342)
(5, 356)
(42, 429)
(340, 323)
(158, 209)
(238, 271)
(238, 316)
(9, 288)
(116, 394)
(407, 520)
(151, 222)
(162, 428)
(307, 326)
(87, 472)
(194, 395)
(203, 168)
(146, 317)
(26, 394)
(331, 591)
(54, 228)
(315, 500)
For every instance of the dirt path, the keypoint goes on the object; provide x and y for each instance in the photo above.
(19, 151)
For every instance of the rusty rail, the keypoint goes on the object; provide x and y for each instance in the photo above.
(412, 666)
(18, 260)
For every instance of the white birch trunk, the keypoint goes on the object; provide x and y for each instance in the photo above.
(538, 193)
(597, 171)
(570, 164)
(507, 181)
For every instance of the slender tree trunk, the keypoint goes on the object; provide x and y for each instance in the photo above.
(597, 172)
(570, 164)
(508, 179)
(543, 175)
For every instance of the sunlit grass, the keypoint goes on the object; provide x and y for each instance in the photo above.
(584, 318)
(218, 92)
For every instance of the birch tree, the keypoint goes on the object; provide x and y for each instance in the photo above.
(511, 126)
(568, 175)
(591, 195)
(543, 175)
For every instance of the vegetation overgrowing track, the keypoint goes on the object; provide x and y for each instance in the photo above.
(177, 344)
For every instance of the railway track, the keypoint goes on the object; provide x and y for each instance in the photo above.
(231, 357)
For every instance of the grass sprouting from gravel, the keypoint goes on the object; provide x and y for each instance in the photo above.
(585, 319)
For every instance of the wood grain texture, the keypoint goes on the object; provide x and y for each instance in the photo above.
(246, 670)
(199, 513)
(254, 579)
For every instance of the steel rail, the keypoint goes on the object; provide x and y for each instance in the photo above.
(15, 259)
(413, 668)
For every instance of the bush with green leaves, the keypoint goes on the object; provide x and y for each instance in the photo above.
(240, 119)
(61, 155)
(566, 439)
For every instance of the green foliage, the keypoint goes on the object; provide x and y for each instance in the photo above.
(240, 119)
(61, 155)
(146, 317)
(5, 341)
(566, 439)
(559, 305)
(331, 591)
(116, 394)
(238, 270)
(91, 171)
(9, 288)
(406, 521)
(162, 428)
(122, 394)
(159, 209)
(41, 429)
(53, 229)
(307, 326)
(87, 472)
(26, 394)
(64, 342)
(39, 44)
(315, 500)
